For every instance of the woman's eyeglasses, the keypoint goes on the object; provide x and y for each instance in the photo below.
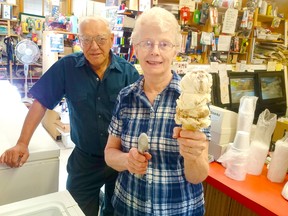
(162, 45)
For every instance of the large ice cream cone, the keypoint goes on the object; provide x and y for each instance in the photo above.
(192, 110)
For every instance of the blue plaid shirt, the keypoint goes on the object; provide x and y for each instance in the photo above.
(164, 189)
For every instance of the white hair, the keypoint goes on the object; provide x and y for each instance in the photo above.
(86, 20)
(159, 17)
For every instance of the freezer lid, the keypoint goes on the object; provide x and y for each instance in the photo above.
(12, 116)
(59, 203)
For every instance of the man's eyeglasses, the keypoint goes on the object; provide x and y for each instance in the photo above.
(162, 45)
(87, 40)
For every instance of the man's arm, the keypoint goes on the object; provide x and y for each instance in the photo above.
(17, 155)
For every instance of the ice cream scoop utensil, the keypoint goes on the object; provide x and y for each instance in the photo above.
(143, 145)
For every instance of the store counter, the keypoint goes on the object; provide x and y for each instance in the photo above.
(254, 196)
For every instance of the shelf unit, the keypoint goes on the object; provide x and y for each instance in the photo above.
(6, 31)
(11, 69)
(206, 52)
(281, 43)
(265, 20)
(48, 57)
(122, 45)
(15, 8)
(122, 30)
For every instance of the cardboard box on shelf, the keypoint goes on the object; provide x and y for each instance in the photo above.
(280, 129)
(52, 123)
(65, 128)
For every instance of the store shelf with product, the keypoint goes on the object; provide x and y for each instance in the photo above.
(216, 31)
(122, 45)
(8, 39)
(11, 33)
(122, 29)
(269, 39)
(9, 9)
(248, 20)
(52, 51)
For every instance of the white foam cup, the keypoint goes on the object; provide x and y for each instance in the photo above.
(241, 140)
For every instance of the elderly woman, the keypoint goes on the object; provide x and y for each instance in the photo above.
(166, 179)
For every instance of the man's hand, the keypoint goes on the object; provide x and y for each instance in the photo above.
(15, 156)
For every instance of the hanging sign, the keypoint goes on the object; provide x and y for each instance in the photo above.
(230, 21)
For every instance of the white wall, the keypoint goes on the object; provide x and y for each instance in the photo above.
(33, 7)
(87, 8)
(80, 8)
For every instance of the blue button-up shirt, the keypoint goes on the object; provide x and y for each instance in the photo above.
(90, 100)
(164, 189)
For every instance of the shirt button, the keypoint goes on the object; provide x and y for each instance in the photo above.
(99, 116)
(101, 134)
(98, 98)
(150, 129)
(97, 79)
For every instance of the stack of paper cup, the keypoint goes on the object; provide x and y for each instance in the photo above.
(261, 141)
(279, 162)
(246, 113)
(257, 156)
(241, 140)
(237, 164)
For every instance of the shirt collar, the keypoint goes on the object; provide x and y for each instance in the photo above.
(81, 61)
(114, 63)
(174, 84)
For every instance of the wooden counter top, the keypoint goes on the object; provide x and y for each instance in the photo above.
(257, 193)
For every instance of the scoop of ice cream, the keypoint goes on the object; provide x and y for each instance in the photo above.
(196, 82)
(193, 123)
(196, 112)
(188, 100)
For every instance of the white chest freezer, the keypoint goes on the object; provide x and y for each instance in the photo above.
(54, 204)
(40, 174)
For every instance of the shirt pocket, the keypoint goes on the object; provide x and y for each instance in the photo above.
(78, 103)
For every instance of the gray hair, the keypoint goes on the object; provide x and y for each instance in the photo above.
(86, 20)
(159, 17)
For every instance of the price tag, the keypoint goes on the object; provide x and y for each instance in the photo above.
(180, 67)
